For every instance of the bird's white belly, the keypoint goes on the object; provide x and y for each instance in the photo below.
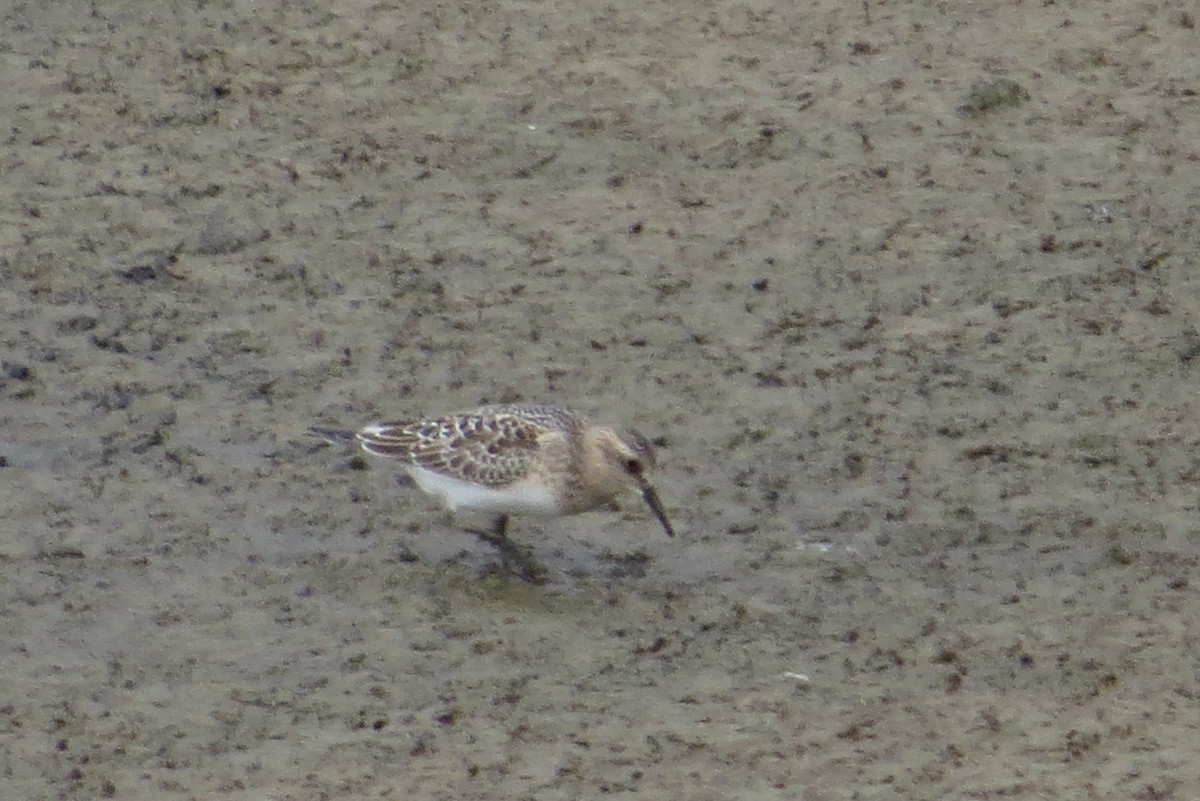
(527, 498)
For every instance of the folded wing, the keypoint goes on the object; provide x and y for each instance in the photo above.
(494, 450)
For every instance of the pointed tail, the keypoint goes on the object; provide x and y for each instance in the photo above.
(338, 436)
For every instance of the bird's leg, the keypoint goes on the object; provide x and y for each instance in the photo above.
(516, 560)
(498, 535)
(500, 528)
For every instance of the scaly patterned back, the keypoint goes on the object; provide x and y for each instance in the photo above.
(493, 445)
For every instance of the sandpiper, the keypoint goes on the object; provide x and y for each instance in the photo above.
(514, 459)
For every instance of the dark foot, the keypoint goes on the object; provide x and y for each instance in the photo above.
(517, 561)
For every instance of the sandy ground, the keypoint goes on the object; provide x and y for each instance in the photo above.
(906, 291)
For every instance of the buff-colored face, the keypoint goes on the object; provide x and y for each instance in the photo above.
(632, 455)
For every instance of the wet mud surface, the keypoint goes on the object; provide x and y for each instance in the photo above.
(905, 293)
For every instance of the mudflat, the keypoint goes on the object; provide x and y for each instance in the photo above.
(905, 293)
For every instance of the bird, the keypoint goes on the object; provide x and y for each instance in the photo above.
(514, 459)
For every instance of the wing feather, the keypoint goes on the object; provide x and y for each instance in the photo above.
(492, 449)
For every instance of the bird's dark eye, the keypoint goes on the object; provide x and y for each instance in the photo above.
(633, 466)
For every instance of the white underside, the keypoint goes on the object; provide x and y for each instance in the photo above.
(458, 494)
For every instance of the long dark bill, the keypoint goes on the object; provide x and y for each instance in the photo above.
(651, 498)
